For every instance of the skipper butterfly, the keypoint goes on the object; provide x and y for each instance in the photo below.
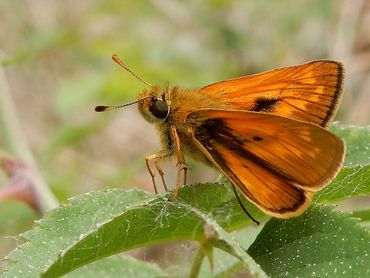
(265, 132)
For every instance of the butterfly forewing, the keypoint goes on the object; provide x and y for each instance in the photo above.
(275, 161)
(308, 92)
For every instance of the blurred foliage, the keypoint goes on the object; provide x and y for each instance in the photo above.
(99, 224)
(57, 60)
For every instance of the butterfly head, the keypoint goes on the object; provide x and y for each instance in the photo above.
(153, 104)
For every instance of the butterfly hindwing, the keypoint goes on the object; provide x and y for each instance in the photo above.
(275, 161)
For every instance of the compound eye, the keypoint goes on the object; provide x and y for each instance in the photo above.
(159, 108)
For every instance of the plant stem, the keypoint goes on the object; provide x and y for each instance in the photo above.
(19, 146)
(197, 263)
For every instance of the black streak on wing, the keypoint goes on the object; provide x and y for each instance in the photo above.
(257, 138)
(264, 105)
(216, 130)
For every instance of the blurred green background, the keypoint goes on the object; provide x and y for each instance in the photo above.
(56, 57)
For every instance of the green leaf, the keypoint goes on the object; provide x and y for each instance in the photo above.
(364, 215)
(231, 217)
(100, 224)
(117, 266)
(357, 143)
(319, 243)
(229, 214)
(350, 182)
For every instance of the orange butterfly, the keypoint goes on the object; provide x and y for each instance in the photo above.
(265, 132)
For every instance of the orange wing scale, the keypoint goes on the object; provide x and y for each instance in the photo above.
(309, 92)
(275, 161)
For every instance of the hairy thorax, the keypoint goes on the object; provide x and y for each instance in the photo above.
(182, 103)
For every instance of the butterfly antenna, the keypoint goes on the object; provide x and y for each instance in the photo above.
(103, 108)
(243, 207)
(119, 62)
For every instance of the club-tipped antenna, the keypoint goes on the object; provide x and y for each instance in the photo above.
(119, 62)
(103, 108)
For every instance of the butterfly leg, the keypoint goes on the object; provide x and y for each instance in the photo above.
(181, 164)
(161, 174)
(155, 157)
(151, 172)
(185, 169)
